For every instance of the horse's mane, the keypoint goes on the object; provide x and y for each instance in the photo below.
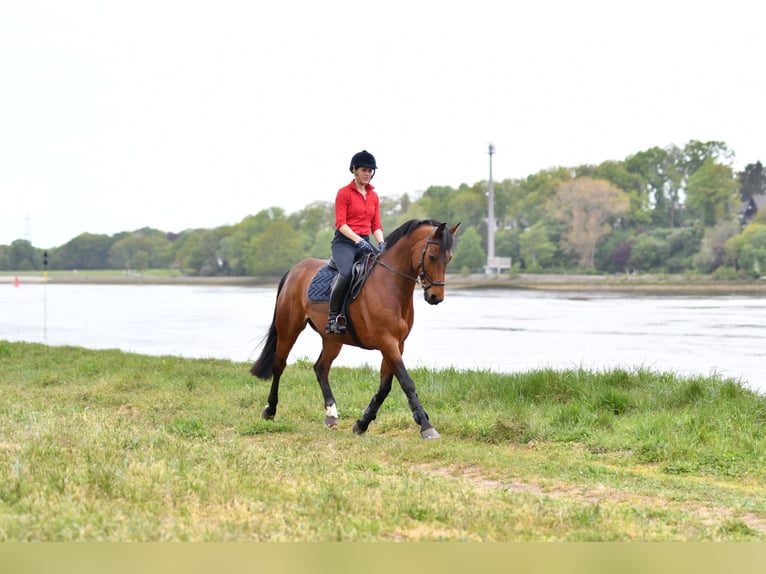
(447, 239)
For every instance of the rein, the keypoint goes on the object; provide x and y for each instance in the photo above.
(423, 276)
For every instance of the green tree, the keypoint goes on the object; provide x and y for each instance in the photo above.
(231, 252)
(507, 243)
(647, 253)
(712, 192)
(745, 250)
(23, 256)
(86, 251)
(469, 205)
(715, 250)
(316, 217)
(633, 184)
(233, 246)
(504, 197)
(533, 194)
(5, 258)
(696, 153)
(585, 206)
(139, 260)
(536, 248)
(683, 244)
(613, 252)
(660, 170)
(321, 247)
(436, 202)
(752, 181)
(209, 257)
(752, 257)
(469, 254)
(143, 249)
(275, 250)
(186, 252)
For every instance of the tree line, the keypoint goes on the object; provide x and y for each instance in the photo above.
(669, 210)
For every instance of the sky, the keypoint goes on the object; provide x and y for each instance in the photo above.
(181, 114)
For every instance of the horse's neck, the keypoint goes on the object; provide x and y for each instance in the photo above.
(402, 274)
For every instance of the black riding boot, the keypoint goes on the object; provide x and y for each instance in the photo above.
(337, 294)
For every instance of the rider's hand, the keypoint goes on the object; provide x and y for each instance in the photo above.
(382, 246)
(364, 246)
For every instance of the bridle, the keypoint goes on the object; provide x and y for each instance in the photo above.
(423, 276)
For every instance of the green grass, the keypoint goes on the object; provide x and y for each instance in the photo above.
(111, 446)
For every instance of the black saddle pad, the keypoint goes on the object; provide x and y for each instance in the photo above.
(319, 288)
(321, 284)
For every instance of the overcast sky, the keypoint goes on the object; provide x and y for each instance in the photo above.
(182, 114)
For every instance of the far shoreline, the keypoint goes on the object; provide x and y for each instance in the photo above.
(657, 284)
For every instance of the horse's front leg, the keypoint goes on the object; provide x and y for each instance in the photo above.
(419, 414)
(371, 412)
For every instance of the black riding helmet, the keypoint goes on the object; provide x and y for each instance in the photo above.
(362, 159)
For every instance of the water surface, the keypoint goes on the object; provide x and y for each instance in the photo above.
(493, 329)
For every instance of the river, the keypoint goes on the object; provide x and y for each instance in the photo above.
(487, 329)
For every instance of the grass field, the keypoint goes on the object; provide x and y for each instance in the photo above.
(111, 446)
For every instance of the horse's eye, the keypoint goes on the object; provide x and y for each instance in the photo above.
(432, 257)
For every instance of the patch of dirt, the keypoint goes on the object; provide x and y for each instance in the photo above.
(127, 411)
(599, 494)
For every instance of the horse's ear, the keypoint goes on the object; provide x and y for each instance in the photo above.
(453, 229)
(440, 230)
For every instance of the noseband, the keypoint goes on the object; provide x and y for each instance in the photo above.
(423, 276)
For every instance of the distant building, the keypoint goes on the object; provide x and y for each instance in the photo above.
(751, 207)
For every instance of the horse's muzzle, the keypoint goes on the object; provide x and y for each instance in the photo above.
(432, 298)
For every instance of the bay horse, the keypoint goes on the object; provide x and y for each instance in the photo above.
(380, 317)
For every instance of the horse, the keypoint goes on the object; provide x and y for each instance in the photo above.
(380, 317)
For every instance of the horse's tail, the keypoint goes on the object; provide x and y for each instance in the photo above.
(263, 367)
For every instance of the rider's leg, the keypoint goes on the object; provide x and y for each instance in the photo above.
(343, 253)
(338, 293)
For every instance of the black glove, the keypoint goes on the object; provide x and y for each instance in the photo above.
(382, 246)
(365, 247)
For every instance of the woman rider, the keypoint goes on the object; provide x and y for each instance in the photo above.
(357, 215)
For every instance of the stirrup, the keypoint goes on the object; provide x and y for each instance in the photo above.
(336, 326)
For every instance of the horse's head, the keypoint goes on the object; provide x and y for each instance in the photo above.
(432, 262)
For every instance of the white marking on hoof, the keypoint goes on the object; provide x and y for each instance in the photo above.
(331, 412)
(430, 433)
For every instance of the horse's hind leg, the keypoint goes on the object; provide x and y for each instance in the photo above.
(283, 346)
(329, 352)
(270, 410)
(371, 412)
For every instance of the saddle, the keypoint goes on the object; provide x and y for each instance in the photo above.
(321, 285)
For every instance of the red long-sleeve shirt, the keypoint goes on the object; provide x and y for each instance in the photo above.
(360, 214)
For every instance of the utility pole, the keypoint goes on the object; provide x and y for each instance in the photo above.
(491, 214)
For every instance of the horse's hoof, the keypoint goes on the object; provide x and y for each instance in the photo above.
(266, 415)
(357, 429)
(430, 433)
(331, 422)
